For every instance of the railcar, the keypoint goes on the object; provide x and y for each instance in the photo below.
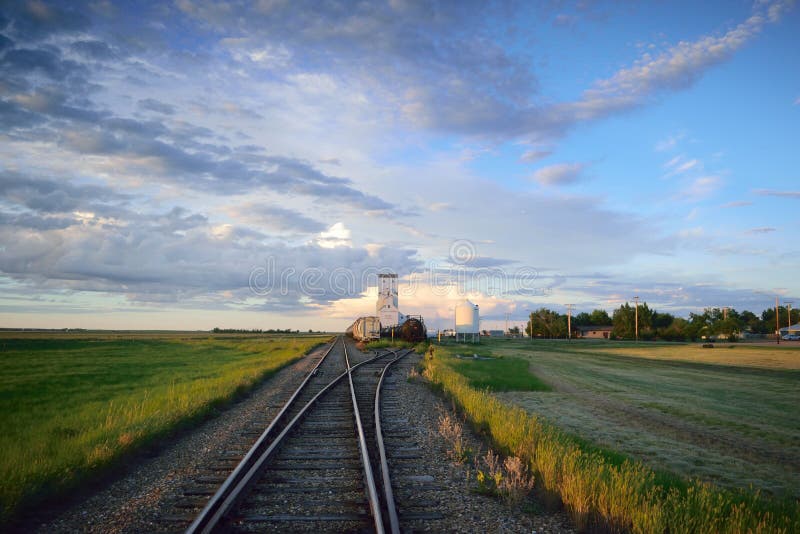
(365, 329)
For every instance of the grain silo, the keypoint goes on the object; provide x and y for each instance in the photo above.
(468, 323)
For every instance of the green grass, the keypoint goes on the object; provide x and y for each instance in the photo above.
(598, 486)
(727, 417)
(496, 374)
(71, 407)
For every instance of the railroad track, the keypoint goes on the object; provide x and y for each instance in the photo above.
(321, 464)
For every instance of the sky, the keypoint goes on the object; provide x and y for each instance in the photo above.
(192, 164)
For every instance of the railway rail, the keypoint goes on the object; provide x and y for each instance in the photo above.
(321, 464)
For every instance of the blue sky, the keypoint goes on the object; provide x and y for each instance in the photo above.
(254, 164)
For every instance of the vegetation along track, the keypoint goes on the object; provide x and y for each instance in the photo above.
(319, 466)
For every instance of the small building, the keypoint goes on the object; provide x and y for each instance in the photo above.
(594, 332)
(493, 333)
(794, 329)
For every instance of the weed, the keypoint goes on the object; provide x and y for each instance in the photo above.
(453, 432)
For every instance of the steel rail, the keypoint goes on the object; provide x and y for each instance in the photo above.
(391, 507)
(372, 490)
(247, 469)
(202, 519)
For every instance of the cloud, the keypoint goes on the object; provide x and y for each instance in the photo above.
(680, 165)
(761, 230)
(776, 193)
(737, 204)
(559, 174)
(532, 156)
(337, 235)
(669, 142)
(151, 104)
(676, 68)
(277, 218)
(95, 50)
(37, 20)
(702, 187)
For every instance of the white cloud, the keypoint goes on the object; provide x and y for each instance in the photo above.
(559, 174)
(676, 68)
(761, 230)
(776, 193)
(337, 235)
(532, 156)
(737, 204)
(703, 186)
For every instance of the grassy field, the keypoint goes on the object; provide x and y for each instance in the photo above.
(70, 405)
(620, 434)
(724, 415)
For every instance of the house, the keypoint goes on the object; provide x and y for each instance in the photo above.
(794, 329)
(594, 332)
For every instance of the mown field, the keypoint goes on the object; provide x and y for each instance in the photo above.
(71, 405)
(724, 415)
(648, 437)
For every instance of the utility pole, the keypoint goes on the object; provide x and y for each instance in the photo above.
(531, 323)
(506, 331)
(777, 324)
(569, 321)
(636, 298)
(725, 313)
(789, 312)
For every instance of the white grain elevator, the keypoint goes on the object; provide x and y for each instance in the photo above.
(387, 306)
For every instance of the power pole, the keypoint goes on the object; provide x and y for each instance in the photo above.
(777, 324)
(531, 323)
(789, 312)
(506, 332)
(636, 298)
(569, 321)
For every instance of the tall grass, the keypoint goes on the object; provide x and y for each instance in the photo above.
(71, 408)
(599, 490)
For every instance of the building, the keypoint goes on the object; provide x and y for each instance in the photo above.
(794, 329)
(493, 333)
(386, 308)
(594, 332)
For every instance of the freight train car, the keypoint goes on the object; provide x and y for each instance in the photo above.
(412, 330)
(365, 329)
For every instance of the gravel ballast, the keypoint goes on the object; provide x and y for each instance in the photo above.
(141, 497)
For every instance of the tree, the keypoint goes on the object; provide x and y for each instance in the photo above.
(624, 320)
(599, 318)
(547, 323)
(582, 319)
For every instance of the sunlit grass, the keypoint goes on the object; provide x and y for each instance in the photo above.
(71, 407)
(601, 488)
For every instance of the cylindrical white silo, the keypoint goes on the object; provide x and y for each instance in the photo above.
(467, 318)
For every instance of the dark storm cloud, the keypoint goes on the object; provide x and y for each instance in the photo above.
(151, 104)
